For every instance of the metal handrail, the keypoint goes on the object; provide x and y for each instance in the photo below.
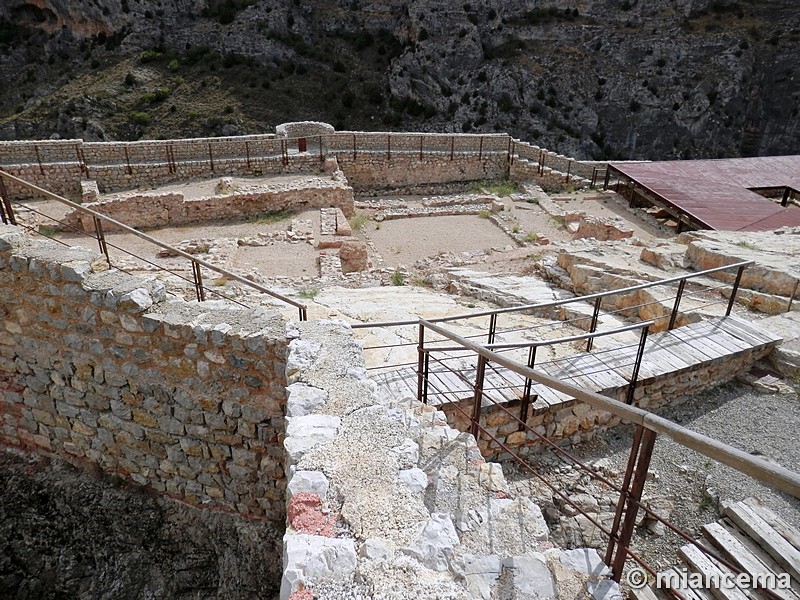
(774, 474)
(539, 343)
(229, 274)
(556, 303)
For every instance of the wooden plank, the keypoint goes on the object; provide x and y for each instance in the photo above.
(686, 352)
(645, 593)
(721, 336)
(702, 564)
(789, 533)
(658, 343)
(757, 551)
(739, 555)
(784, 553)
(765, 335)
(701, 343)
(673, 575)
(750, 334)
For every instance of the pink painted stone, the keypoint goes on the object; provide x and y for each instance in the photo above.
(306, 516)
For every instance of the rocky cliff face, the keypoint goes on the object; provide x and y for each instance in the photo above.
(594, 78)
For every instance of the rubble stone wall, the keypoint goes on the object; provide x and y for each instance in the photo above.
(406, 170)
(578, 422)
(98, 367)
(171, 209)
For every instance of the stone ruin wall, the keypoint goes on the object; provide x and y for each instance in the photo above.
(100, 367)
(173, 209)
(370, 160)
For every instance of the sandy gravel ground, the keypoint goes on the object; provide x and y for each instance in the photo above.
(405, 241)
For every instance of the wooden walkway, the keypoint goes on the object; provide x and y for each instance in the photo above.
(604, 371)
(750, 537)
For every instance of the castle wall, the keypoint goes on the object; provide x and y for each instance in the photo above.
(371, 160)
(97, 366)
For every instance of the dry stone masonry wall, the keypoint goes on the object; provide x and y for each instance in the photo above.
(98, 366)
(171, 209)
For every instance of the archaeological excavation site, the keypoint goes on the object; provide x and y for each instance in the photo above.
(352, 365)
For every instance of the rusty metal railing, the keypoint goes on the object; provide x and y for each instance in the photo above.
(648, 426)
(8, 217)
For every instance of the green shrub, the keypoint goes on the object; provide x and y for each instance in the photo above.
(139, 118)
(149, 56)
(398, 278)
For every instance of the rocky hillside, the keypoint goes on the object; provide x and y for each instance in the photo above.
(593, 78)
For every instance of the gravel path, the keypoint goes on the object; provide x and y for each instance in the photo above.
(764, 425)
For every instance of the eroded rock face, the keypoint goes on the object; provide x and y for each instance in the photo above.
(64, 529)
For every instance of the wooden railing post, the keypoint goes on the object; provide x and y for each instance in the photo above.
(8, 210)
(794, 293)
(607, 178)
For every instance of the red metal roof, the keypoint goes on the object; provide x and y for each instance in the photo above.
(717, 194)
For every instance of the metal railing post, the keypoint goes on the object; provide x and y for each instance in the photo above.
(480, 149)
(8, 210)
(247, 152)
(421, 374)
(476, 400)
(594, 178)
(101, 238)
(452, 146)
(606, 179)
(593, 326)
(128, 160)
(492, 328)
(636, 365)
(388, 147)
(526, 394)
(631, 498)
(674, 314)
(426, 371)
(321, 156)
(198, 282)
(421, 138)
(794, 293)
(354, 146)
(39, 159)
(735, 290)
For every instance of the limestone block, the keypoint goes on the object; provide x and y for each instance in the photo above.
(480, 574)
(531, 578)
(376, 549)
(433, 546)
(312, 558)
(585, 560)
(304, 433)
(308, 481)
(303, 399)
(353, 256)
(407, 453)
(302, 354)
(414, 479)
